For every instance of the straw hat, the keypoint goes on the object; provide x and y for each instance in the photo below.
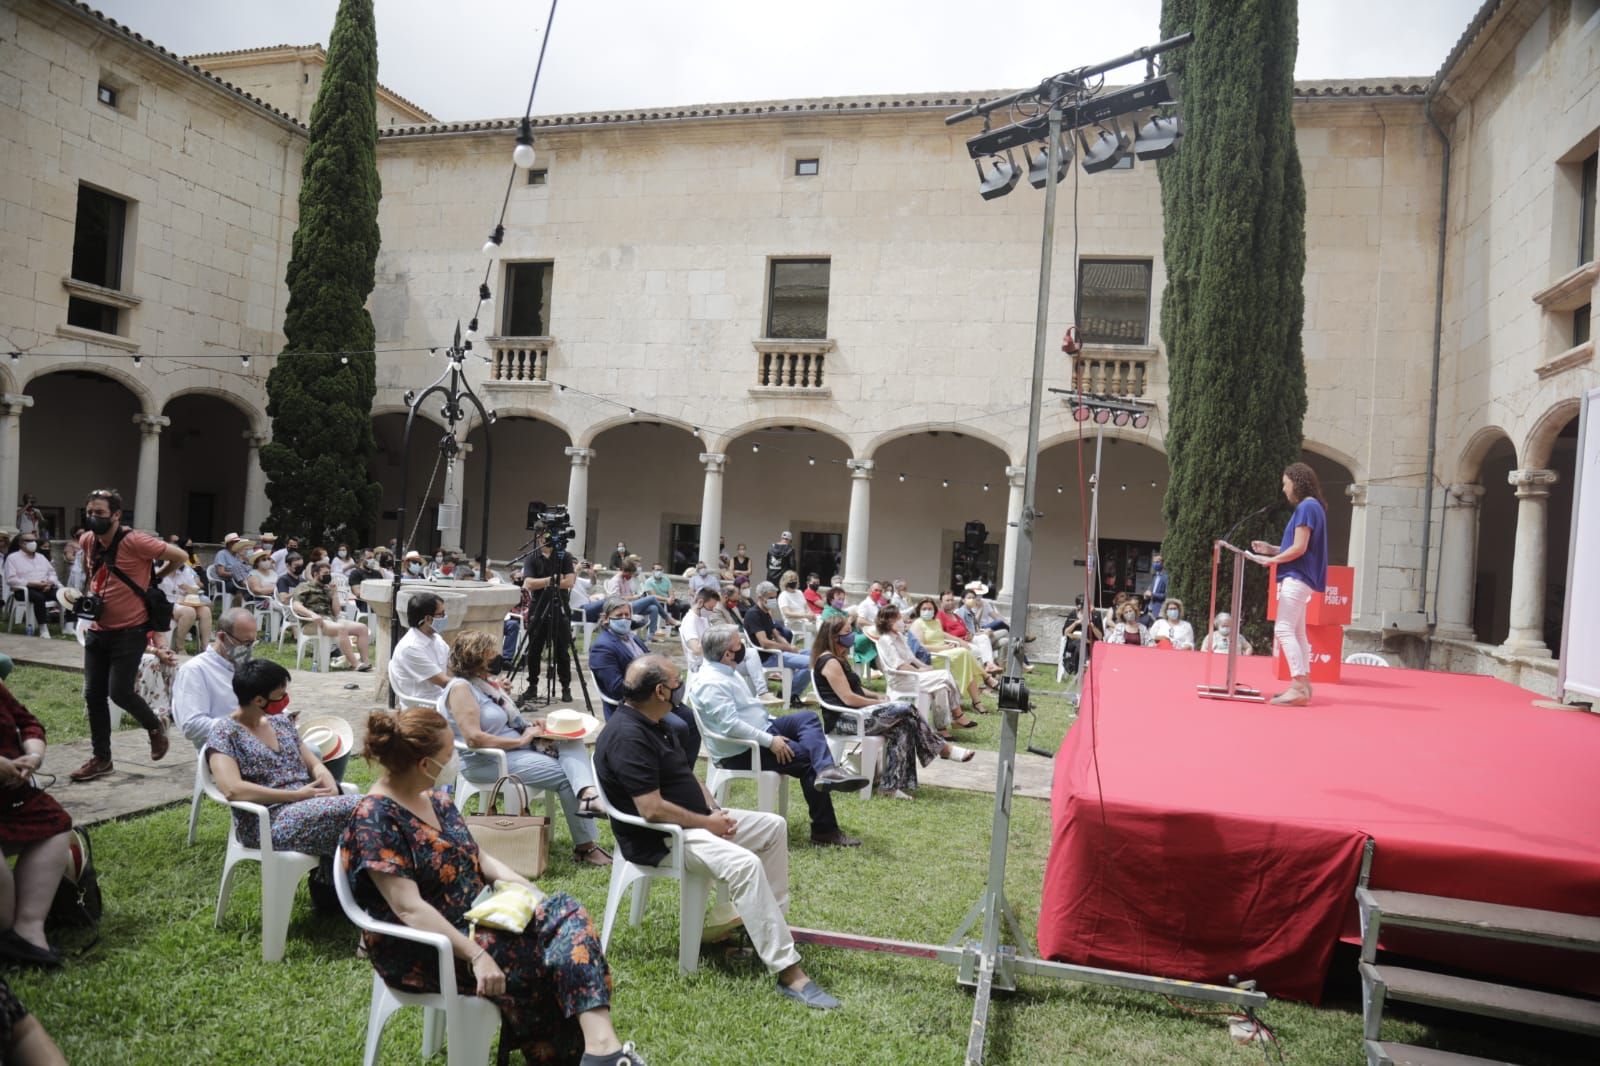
(68, 598)
(328, 735)
(256, 556)
(977, 586)
(563, 724)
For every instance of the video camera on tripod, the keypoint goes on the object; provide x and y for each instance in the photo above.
(552, 525)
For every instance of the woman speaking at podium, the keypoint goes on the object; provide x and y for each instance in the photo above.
(1302, 561)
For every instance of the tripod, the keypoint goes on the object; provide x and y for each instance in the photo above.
(548, 615)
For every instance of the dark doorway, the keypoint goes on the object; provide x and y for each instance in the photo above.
(1125, 567)
(200, 517)
(981, 563)
(819, 554)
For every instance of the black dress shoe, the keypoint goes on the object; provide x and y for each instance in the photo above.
(835, 839)
(15, 949)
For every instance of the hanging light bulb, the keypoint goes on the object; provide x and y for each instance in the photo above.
(632, 411)
(344, 360)
(946, 482)
(491, 247)
(137, 360)
(811, 460)
(902, 477)
(244, 361)
(1152, 484)
(755, 448)
(1058, 490)
(522, 154)
(1124, 486)
(472, 330)
(985, 486)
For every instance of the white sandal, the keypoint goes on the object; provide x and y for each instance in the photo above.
(960, 754)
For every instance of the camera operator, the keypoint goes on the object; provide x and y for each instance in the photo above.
(549, 575)
(115, 642)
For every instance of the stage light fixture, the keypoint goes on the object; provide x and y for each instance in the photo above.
(1120, 418)
(1038, 167)
(1102, 415)
(1109, 146)
(1081, 413)
(1158, 138)
(1002, 177)
(1141, 420)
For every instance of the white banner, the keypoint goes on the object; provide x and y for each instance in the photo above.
(1580, 634)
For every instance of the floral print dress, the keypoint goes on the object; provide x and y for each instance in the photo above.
(554, 969)
(312, 826)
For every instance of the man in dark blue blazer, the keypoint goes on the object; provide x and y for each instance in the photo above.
(613, 648)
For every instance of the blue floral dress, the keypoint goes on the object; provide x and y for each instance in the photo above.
(312, 826)
(554, 969)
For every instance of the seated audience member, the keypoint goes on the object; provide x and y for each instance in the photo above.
(483, 716)
(894, 653)
(317, 603)
(410, 859)
(383, 560)
(191, 607)
(585, 601)
(415, 568)
(281, 552)
(703, 577)
(29, 573)
(613, 649)
(202, 691)
(834, 601)
(775, 650)
(77, 574)
(907, 738)
(617, 557)
(706, 613)
(341, 561)
(950, 621)
(793, 745)
(34, 829)
(899, 597)
(792, 606)
(866, 611)
(419, 668)
(256, 755)
(1171, 627)
(230, 567)
(262, 582)
(645, 773)
(1127, 629)
(734, 603)
(291, 577)
(739, 566)
(1072, 634)
(1222, 633)
(645, 606)
(659, 587)
(952, 654)
(813, 595)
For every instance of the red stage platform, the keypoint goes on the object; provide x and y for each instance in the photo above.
(1230, 835)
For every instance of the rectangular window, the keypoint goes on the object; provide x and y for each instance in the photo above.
(538, 177)
(684, 547)
(1586, 209)
(86, 314)
(1114, 301)
(1580, 324)
(807, 168)
(820, 554)
(527, 304)
(97, 240)
(106, 95)
(797, 299)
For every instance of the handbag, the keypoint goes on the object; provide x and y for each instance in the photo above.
(158, 609)
(517, 838)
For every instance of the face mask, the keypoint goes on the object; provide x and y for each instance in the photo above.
(415, 568)
(447, 770)
(99, 523)
(620, 626)
(265, 568)
(846, 639)
(656, 572)
(1224, 629)
(29, 546)
(1172, 615)
(438, 623)
(344, 553)
(838, 605)
(325, 579)
(277, 706)
(1156, 567)
(876, 596)
(699, 569)
(238, 654)
(1129, 616)
(812, 584)
(899, 626)
(927, 616)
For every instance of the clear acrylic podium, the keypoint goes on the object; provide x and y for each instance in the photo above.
(1232, 689)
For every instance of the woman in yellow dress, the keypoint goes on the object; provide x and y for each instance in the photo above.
(963, 665)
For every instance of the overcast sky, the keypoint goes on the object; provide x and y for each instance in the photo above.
(475, 58)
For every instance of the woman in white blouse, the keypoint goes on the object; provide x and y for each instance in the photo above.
(191, 608)
(1172, 628)
(1127, 629)
(796, 612)
(894, 653)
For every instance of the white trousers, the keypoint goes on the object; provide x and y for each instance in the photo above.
(1294, 596)
(754, 864)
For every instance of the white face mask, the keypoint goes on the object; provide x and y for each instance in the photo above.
(29, 546)
(1173, 615)
(447, 772)
(344, 553)
(927, 616)
(1224, 628)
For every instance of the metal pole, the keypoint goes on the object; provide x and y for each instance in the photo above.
(1091, 562)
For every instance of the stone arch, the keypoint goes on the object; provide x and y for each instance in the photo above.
(206, 464)
(529, 463)
(799, 481)
(127, 379)
(720, 441)
(646, 486)
(473, 423)
(963, 429)
(1535, 452)
(255, 417)
(61, 467)
(1469, 467)
(8, 380)
(1149, 437)
(1327, 451)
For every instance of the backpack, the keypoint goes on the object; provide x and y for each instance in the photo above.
(78, 904)
(158, 609)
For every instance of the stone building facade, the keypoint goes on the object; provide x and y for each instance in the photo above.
(720, 322)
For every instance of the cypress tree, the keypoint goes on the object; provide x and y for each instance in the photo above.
(1234, 202)
(321, 403)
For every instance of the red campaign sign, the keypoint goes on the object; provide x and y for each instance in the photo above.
(1327, 654)
(1333, 608)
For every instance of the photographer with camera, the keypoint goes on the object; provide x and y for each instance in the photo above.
(549, 575)
(119, 607)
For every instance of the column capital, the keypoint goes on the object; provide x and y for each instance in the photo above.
(254, 439)
(13, 403)
(151, 424)
(580, 456)
(1532, 483)
(714, 461)
(1017, 475)
(1463, 496)
(860, 468)
(1357, 493)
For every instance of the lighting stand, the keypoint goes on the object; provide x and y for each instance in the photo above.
(456, 391)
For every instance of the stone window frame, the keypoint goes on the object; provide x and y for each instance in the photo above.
(120, 299)
(125, 93)
(1148, 262)
(793, 154)
(772, 263)
(801, 164)
(1566, 327)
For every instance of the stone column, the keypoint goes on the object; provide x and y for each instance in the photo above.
(11, 407)
(1015, 476)
(711, 508)
(857, 533)
(256, 505)
(578, 499)
(1365, 526)
(1458, 559)
(1528, 563)
(448, 520)
(144, 491)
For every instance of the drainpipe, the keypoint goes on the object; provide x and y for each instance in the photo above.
(1438, 343)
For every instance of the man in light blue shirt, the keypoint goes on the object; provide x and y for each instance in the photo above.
(793, 745)
(704, 579)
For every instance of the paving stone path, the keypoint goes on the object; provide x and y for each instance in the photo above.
(141, 785)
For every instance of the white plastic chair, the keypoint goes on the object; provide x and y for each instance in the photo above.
(582, 625)
(772, 789)
(866, 751)
(466, 790)
(694, 889)
(784, 674)
(470, 1022)
(309, 632)
(21, 611)
(217, 590)
(1365, 658)
(281, 871)
(902, 685)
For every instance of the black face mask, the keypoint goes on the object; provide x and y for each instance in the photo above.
(99, 523)
(325, 579)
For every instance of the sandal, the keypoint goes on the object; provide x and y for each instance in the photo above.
(592, 854)
(964, 722)
(592, 806)
(960, 754)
